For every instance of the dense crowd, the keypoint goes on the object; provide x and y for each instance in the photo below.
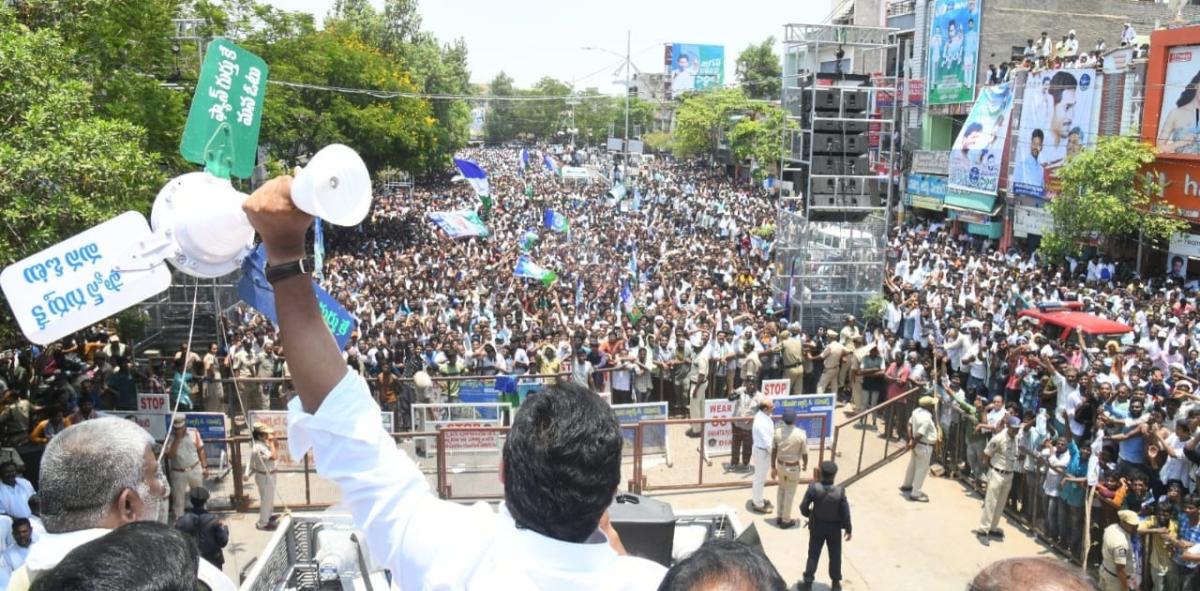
(1118, 413)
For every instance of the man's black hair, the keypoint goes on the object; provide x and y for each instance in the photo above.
(1061, 82)
(138, 556)
(562, 462)
(1037, 133)
(724, 564)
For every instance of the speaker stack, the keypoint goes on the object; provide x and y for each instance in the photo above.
(836, 146)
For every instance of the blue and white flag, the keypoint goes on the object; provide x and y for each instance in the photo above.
(626, 298)
(555, 221)
(257, 292)
(637, 200)
(633, 268)
(579, 291)
(459, 224)
(523, 162)
(318, 250)
(474, 175)
(548, 162)
(527, 268)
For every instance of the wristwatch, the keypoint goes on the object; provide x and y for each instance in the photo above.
(275, 273)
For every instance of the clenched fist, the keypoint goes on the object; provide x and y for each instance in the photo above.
(277, 221)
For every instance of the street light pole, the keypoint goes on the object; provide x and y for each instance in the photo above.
(627, 64)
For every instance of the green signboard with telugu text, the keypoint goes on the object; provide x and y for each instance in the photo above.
(226, 114)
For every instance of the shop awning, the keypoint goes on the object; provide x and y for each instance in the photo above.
(976, 202)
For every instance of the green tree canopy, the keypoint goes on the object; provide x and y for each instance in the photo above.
(759, 71)
(1107, 194)
(66, 167)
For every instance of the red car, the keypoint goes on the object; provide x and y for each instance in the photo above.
(1059, 321)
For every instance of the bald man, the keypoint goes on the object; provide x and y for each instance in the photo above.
(1032, 574)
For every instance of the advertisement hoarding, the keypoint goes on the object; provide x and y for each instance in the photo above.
(953, 51)
(695, 67)
(1031, 220)
(1178, 122)
(1055, 124)
(979, 149)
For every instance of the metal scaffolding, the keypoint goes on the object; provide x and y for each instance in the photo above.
(862, 185)
(825, 270)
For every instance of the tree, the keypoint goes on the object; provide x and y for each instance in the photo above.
(124, 50)
(501, 124)
(759, 72)
(1107, 194)
(66, 167)
(758, 137)
(701, 118)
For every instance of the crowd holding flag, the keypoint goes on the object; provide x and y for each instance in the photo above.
(548, 162)
(459, 224)
(555, 221)
(529, 269)
(523, 161)
(528, 241)
(477, 177)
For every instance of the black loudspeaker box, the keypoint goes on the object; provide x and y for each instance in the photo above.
(646, 526)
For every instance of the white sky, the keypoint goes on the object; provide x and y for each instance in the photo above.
(529, 39)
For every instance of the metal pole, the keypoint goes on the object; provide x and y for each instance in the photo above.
(627, 64)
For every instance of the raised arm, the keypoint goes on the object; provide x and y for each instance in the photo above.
(313, 355)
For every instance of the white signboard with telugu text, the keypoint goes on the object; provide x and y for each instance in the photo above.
(1031, 220)
(84, 279)
(1186, 245)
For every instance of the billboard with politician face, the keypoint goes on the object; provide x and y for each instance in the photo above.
(1055, 125)
(1179, 117)
(953, 51)
(979, 149)
(695, 67)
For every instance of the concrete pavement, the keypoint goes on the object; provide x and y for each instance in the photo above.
(897, 544)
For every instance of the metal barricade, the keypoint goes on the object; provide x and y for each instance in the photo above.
(679, 452)
(297, 485)
(856, 451)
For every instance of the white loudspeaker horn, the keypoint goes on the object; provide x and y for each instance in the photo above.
(335, 186)
(198, 217)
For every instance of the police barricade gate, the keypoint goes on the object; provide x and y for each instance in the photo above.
(277, 420)
(213, 428)
(437, 416)
(718, 435)
(654, 437)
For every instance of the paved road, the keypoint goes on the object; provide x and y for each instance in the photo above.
(897, 544)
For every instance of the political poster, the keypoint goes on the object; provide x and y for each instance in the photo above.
(1179, 117)
(696, 67)
(979, 149)
(654, 438)
(953, 51)
(1055, 125)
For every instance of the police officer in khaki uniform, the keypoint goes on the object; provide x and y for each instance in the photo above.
(792, 349)
(789, 458)
(1117, 566)
(1001, 455)
(262, 467)
(922, 437)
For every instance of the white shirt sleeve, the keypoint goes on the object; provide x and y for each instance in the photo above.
(406, 526)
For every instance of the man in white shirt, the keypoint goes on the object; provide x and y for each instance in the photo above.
(548, 533)
(95, 477)
(14, 492)
(763, 435)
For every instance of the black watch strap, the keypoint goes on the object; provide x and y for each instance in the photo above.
(275, 273)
